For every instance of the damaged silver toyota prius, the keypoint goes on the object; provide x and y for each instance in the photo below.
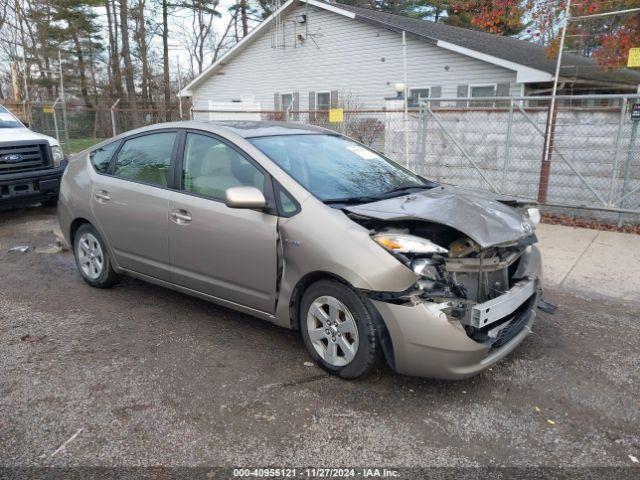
(315, 232)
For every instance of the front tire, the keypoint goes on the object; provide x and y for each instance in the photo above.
(338, 329)
(92, 258)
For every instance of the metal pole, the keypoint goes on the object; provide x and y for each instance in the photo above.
(64, 102)
(507, 148)
(113, 117)
(55, 119)
(627, 168)
(545, 167)
(179, 90)
(616, 156)
(406, 101)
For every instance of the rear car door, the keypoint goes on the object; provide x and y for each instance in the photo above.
(131, 202)
(220, 251)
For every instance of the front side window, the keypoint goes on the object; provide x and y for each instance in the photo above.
(146, 159)
(101, 157)
(336, 169)
(210, 167)
(416, 94)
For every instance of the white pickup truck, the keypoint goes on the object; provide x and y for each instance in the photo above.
(31, 164)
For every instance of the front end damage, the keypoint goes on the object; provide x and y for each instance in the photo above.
(472, 305)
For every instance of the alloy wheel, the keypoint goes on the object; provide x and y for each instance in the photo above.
(90, 256)
(332, 330)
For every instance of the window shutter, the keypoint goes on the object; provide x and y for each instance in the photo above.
(276, 101)
(503, 90)
(296, 101)
(436, 92)
(463, 91)
(296, 106)
(312, 106)
(334, 98)
(312, 100)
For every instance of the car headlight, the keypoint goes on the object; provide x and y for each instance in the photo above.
(405, 243)
(426, 267)
(534, 216)
(58, 155)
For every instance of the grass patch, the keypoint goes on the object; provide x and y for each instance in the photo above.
(78, 144)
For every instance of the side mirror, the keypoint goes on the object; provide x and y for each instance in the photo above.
(244, 197)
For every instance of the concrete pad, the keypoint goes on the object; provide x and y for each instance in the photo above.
(610, 266)
(561, 248)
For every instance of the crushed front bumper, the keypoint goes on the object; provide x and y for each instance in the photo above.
(429, 343)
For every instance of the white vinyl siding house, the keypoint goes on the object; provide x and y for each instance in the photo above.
(341, 55)
(323, 51)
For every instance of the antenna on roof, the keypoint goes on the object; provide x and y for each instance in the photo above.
(277, 26)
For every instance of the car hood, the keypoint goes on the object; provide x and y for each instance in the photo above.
(484, 217)
(17, 134)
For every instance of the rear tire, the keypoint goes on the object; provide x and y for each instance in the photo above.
(338, 329)
(92, 258)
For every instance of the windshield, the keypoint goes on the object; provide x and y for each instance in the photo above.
(7, 120)
(335, 169)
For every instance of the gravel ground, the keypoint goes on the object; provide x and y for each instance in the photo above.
(154, 377)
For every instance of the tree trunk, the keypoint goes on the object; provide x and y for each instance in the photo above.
(126, 56)
(114, 61)
(243, 17)
(84, 89)
(165, 55)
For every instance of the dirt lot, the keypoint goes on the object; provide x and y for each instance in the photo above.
(153, 377)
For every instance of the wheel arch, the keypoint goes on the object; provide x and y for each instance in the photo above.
(74, 226)
(310, 278)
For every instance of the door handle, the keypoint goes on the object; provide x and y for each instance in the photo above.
(180, 217)
(102, 196)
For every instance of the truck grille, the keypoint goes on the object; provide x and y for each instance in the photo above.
(22, 158)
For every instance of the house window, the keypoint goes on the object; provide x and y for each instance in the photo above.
(482, 91)
(286, 103)
(415, 94)
(323, 101)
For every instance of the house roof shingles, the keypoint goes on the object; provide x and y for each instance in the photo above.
(506, 48)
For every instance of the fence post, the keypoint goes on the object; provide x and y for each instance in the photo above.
(627, 167)
(507, 148)
(113, 117)
(616, 157)
(55, 120)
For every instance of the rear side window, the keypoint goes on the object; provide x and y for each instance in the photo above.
(146, 159)
(101, 157)
(210, 167)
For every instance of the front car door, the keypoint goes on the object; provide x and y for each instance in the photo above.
(131, 203)
(227, 253)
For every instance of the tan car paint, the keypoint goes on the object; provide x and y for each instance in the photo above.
(230, 256)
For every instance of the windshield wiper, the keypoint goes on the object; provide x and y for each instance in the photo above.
(406, 188)
(346, 200)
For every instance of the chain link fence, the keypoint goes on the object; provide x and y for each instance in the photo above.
(77, 126)
(494, 143)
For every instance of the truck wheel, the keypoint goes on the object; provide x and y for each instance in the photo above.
(338, 329)
(92, 258)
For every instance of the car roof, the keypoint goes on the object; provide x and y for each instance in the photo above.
(242, 128)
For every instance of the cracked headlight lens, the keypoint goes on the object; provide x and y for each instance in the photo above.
(405, 243)
(58, 155)
(534, 216)
(426, 268)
